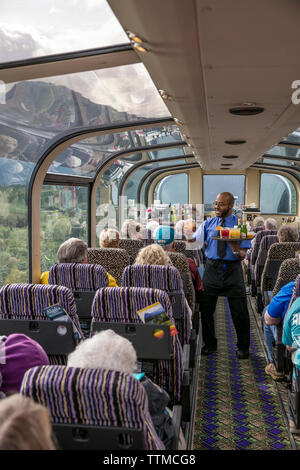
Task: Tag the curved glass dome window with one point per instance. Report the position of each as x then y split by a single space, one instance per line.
277 161
164 190
284 196
281 151
85 157
216 184
56 104
34 29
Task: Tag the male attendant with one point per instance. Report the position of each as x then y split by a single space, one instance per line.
223 276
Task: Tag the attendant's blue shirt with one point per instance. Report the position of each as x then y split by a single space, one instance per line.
280 302
208 230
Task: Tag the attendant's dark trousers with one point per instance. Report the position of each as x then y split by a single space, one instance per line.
239 314
223 278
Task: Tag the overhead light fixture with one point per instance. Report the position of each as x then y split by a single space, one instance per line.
235 142
139 47
165 95
178 122
226 164
230 156
246 110
134 37
137 42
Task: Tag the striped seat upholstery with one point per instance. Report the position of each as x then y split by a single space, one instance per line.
78 276
181 263
277 253
120 304
93 397
28 302
132 247
265 244
259 235
166 278
196 254
288 271
114 260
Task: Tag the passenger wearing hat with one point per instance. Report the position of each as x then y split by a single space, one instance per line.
18 353
164 236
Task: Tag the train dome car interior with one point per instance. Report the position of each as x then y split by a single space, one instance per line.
145 112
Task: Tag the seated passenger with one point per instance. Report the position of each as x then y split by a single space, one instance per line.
131 230
18 353
73 250
155 254
270 224
152 225
24 425
291 338
272 316
287 233
258 222
164 237
108 350
109 238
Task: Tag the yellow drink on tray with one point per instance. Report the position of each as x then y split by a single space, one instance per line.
234 233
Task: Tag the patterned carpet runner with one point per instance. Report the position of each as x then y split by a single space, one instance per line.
237 406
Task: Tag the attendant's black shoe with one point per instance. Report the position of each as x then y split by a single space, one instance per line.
206 350
242 353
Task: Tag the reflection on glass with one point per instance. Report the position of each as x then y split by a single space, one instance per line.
216 184
284 151
64 214
277 161
164 190
31 29
13 233
131 189
86 156
283 200
294 137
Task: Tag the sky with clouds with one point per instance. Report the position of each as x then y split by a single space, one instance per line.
32 29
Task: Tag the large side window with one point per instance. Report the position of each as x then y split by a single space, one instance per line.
164 190
64 214
284 196
216 184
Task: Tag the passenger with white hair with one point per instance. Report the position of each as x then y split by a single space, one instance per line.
270 224
131 230
72 250
108 350
152 225
288 233
109 238
259 222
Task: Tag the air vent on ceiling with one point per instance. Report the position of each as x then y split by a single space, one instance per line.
246 111
235 142
230 156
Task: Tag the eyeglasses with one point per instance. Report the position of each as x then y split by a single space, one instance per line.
220 204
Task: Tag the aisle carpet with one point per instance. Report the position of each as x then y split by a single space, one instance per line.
237 407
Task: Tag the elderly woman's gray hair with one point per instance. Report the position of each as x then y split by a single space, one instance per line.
258 222
270 224
106 350
288 233
109 238
72 250
131 229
